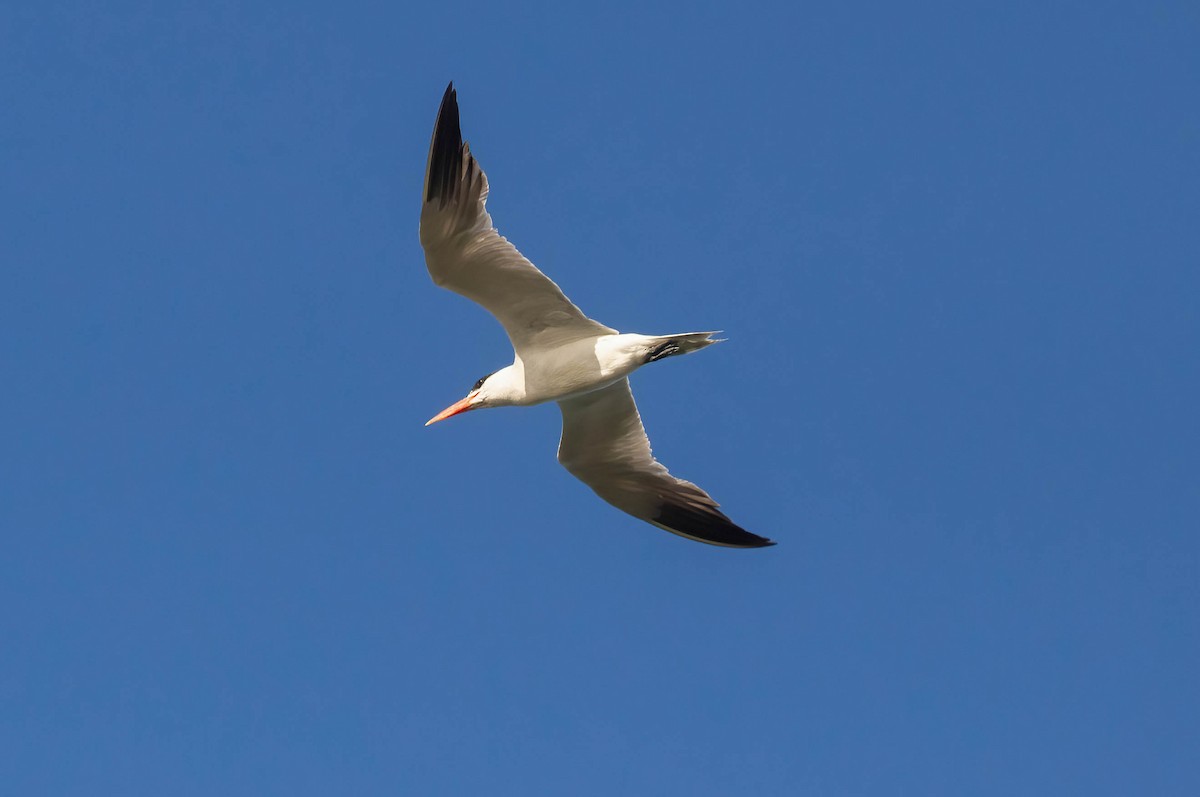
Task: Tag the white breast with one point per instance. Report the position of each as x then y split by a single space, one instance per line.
582 366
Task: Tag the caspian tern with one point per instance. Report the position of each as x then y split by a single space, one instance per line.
560 354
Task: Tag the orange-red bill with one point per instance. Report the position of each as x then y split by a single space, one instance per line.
453 409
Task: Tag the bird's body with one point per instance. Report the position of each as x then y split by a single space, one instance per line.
559 353
581 366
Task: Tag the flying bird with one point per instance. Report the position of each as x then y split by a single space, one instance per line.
560 354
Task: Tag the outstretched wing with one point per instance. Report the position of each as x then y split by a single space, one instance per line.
465 253
605 446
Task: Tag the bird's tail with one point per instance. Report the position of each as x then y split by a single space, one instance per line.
661 346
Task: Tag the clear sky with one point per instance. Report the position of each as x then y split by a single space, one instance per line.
956 253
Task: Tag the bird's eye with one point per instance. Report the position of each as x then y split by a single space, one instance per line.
482 379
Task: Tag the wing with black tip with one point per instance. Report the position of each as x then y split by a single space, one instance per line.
604 445
466 254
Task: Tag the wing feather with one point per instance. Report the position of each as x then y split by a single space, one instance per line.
465 253
605 446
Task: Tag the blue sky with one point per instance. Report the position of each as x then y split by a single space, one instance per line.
954 249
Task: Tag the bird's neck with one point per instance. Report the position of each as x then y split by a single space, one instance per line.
507 386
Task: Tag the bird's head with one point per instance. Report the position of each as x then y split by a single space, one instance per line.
491 390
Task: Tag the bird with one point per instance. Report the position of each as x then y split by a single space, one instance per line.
559 353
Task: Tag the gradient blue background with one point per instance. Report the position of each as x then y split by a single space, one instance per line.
955 250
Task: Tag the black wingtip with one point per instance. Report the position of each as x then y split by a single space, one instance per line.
707 525
445 150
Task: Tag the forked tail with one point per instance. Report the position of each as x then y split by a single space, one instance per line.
669 345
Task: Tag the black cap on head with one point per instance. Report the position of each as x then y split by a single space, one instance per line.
482 379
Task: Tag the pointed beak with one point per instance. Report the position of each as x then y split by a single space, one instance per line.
453 409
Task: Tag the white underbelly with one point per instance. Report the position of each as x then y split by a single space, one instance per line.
581 367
